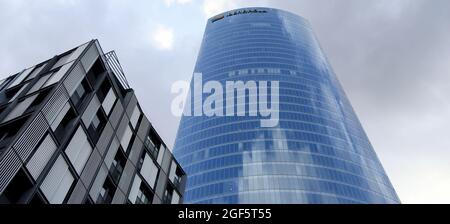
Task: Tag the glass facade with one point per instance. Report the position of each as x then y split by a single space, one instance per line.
318 152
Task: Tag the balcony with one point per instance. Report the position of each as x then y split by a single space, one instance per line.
167 199
151 147
115 172
177 182
114 66
117 166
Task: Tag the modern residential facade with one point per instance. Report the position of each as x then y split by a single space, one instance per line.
72 131
318 152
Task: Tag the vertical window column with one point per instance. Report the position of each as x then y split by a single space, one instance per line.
78 150
41 156
58 182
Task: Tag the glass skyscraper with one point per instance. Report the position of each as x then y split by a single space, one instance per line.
318 152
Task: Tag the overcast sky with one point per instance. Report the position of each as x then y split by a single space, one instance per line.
392 57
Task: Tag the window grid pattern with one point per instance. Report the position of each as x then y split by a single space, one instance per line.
62 141
318 153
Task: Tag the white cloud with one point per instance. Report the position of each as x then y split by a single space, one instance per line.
214 7
163 38
171 2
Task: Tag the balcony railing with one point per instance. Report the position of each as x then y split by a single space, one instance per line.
116 172
177 182
151 147
104 199
115 67
167 199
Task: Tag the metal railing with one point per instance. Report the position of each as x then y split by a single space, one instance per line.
116 68
116 172
177 182
148 143
167 198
